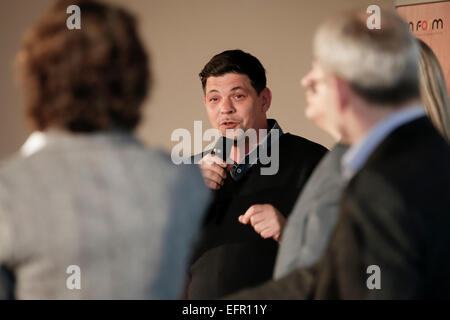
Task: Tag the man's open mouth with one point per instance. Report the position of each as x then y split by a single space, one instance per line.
229 124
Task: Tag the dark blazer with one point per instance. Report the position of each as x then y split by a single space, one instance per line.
229 255
395 214
312 221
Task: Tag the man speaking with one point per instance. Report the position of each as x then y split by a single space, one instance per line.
239 242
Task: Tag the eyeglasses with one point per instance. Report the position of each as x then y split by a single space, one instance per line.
313 78
315 81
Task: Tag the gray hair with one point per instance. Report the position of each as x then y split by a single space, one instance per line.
380 64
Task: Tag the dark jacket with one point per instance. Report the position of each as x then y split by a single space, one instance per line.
395 214
231 256
313 219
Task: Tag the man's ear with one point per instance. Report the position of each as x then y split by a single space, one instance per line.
266 96
204 100
343 92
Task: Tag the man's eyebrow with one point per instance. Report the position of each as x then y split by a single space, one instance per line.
232 89
212 90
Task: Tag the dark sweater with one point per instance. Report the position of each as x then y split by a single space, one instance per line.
231 256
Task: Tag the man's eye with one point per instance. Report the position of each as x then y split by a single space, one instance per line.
239 96
214 99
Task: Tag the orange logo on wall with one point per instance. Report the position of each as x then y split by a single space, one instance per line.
429 22
431 25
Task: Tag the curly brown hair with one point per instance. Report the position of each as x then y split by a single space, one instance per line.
84 80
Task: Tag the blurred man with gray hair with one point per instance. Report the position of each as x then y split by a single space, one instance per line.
391 238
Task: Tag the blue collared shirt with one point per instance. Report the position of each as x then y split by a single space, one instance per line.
357 155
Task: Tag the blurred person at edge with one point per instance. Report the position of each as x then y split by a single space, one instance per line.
90 198
313 218
433 89
391 236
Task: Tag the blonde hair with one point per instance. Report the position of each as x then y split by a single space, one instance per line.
380 64
433 90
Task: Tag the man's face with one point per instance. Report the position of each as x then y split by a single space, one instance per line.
322 99
232 103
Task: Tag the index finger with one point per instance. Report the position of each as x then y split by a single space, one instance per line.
214 159
216 168
245 218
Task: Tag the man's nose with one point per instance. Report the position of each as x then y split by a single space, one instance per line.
227 106
306 80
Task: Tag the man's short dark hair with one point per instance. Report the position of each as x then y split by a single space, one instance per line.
91 79
235 61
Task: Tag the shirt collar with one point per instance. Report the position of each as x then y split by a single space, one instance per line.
357 155
39 140
35 142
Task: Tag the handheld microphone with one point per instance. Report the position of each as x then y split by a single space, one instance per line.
222 149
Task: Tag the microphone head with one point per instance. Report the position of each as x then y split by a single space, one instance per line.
223 147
